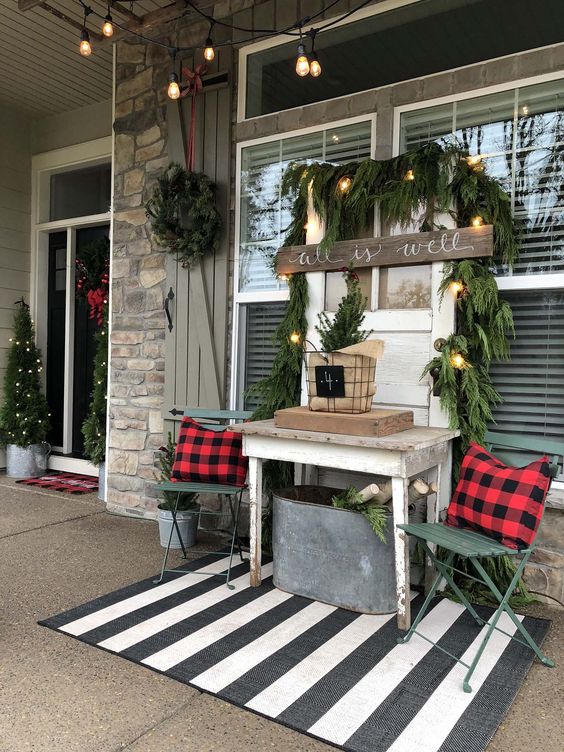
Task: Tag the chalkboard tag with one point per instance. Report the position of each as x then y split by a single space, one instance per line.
330 381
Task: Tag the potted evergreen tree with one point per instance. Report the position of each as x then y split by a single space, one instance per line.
24 414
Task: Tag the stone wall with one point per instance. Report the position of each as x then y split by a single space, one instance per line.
138 277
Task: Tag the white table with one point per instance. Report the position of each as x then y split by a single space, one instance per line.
399 456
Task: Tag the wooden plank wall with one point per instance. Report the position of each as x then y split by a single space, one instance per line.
187 380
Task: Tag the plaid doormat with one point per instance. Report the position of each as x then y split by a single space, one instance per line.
332 674
72 483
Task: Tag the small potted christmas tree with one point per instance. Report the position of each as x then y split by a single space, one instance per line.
24 414
341 377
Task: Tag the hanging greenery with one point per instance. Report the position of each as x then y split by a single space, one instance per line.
24 414
183 214
427 182
94 425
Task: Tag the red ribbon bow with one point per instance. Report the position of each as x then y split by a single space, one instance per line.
194 85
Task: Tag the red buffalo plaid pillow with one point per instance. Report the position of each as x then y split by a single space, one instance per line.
503 502
205 456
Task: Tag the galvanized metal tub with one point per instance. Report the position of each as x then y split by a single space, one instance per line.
331 555
27 462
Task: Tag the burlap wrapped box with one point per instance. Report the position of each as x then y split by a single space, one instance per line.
359 367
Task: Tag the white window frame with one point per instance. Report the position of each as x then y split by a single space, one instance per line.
373 10
268 296
517 282
87 154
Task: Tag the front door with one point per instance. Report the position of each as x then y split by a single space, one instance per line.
70 341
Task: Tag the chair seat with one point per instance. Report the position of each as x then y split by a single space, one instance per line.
208 488
462 542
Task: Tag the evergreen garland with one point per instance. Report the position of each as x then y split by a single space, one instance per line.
344 330
94 425
24 414
427 182
376 514
183 213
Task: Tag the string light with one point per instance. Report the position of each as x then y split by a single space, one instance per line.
295 338
477 221
107 26
475 162
457 360
409 175
314 65
85 46
344 184
209 52
457 287
173 83
302 63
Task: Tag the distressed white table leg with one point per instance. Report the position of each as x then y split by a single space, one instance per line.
255 518
401 548
433 507
311 475
299 473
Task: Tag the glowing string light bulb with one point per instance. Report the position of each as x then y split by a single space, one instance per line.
457 360
457 286
302 63
173 86
477 221
85 46
295 338
209 52
409 175
107 26
344 184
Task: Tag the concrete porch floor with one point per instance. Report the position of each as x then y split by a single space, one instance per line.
59 695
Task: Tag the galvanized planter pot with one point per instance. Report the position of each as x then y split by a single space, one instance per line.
187 524
27 462
102 481
331 555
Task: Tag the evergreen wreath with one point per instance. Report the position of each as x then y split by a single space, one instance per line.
183 214
93 277
24 414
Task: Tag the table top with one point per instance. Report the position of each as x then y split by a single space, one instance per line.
414 439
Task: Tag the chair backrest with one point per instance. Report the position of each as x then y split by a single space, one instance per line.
506 442
215 420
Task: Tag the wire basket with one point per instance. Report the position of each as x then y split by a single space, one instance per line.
339 382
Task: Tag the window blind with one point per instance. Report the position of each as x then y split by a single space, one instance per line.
532 382
261 321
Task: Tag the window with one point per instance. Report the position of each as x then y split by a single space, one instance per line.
408 42
520 134
79 193
263 218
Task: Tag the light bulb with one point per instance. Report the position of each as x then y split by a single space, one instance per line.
475 160
457 286
107 26
477 221
344 184
525 110
173 86
209 52
85 46
315 67
457 361
302 63
409 175
295 338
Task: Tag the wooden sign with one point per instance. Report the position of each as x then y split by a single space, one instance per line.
415 248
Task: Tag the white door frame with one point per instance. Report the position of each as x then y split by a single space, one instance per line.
43 166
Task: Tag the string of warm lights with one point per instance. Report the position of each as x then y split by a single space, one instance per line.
307 63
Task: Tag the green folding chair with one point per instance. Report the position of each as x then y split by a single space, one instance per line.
475 546
215 420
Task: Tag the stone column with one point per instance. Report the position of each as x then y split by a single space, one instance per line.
138 281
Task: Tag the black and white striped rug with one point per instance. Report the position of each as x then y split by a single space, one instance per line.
330 673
